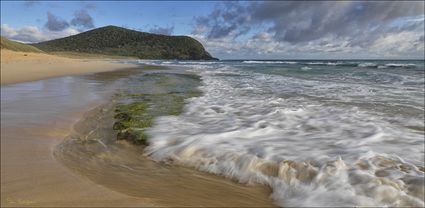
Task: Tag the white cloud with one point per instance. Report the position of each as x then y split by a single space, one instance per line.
395 44
303 29
32 34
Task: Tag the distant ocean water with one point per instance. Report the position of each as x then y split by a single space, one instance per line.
319 133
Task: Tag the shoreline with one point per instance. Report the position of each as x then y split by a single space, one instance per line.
121 166
39 120
31 175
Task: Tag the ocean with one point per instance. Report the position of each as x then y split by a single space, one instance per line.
319 133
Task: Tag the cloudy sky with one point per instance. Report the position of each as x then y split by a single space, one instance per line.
239 30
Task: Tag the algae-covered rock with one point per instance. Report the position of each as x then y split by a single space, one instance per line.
131 120
118 126
157 95
122 116
137 137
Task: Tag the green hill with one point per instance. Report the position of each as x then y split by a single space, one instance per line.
112 40
16 46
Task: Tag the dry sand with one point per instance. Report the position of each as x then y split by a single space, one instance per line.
22 67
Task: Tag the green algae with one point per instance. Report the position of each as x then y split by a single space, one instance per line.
159 94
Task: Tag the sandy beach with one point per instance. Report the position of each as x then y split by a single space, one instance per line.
22 66
30 175
212 104
38 113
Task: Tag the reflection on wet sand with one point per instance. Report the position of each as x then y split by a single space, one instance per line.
36 116
93 151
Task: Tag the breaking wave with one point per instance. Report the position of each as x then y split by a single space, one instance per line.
311 147
269 62
338 63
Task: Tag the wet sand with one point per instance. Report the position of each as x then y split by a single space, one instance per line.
37 116
22 66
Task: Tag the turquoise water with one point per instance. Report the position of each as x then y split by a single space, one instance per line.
319 133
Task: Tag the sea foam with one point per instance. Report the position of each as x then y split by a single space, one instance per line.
296 136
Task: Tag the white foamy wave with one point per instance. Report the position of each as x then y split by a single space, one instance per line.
200 62
269 62
372 180
384 66
339 63
241 129
401 65
152 62
316 63
367 65
323 63
305 68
